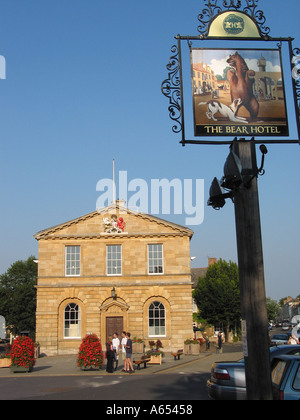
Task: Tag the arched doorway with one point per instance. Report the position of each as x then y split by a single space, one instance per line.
113 318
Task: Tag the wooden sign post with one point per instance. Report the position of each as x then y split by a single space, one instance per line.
251 275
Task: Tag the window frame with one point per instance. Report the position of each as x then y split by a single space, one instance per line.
159 307
155 259
114 259
77 318
77 261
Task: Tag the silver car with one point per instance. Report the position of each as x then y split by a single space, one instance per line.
228 379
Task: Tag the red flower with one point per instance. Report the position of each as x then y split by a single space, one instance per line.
22 352
90 352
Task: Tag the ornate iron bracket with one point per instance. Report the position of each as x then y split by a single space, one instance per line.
296 77
171 88
212 9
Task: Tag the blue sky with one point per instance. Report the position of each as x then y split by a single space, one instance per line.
82 88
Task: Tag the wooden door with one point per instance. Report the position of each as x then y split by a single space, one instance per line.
114 324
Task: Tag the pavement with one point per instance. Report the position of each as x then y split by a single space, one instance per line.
65 365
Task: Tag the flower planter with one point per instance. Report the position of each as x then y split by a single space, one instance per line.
5 363
187 349
22 355
195 349
155 360
138 347
16 369
90 368
90 355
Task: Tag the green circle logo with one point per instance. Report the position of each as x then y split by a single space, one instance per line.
233 24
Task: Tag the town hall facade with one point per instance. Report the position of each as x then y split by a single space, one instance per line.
113 270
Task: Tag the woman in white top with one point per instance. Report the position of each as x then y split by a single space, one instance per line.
116 345
123 345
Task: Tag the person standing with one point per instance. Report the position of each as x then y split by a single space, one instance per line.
109 356
220 342
123 350
129 353
116 346
293 340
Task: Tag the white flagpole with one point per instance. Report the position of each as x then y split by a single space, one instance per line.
114 185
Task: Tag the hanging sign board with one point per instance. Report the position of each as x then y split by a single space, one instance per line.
238 92
244 83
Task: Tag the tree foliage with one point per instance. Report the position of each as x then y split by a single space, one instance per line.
18 295
217 294
272 309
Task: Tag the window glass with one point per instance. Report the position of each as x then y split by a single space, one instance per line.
157 319
72 321
296 384
114 259
277 372
72 260
155 259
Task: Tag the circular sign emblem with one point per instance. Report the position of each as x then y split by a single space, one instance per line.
233 24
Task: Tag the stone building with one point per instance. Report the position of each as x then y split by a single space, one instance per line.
204 79
113 270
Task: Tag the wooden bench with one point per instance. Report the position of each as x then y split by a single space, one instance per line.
177 354
144 359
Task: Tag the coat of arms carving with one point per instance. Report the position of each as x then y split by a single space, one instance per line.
114 224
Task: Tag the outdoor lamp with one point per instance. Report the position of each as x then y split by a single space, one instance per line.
232 172
113 293
217 195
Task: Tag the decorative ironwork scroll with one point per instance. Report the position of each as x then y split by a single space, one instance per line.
296 76
213 8
171 88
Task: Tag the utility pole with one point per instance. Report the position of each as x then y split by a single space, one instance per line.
251 275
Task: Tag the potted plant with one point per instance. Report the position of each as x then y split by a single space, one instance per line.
191 346
22 355
187 346
5 358
155 353
137 345
90 354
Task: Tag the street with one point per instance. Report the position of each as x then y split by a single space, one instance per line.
172 386
173 382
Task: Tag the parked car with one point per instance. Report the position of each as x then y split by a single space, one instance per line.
279 339
228 379
285 326
286 378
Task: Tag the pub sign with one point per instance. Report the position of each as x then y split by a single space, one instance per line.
244 83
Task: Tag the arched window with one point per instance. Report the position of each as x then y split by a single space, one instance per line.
72 321
157 320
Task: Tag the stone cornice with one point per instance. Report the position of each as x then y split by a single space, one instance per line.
106 285
117 236
52 232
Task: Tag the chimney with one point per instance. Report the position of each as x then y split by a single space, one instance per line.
212 261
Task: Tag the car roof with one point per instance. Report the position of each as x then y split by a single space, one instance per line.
281 335
287 357
285 347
